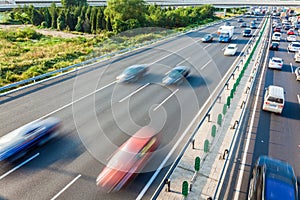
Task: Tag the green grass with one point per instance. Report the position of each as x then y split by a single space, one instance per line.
24 53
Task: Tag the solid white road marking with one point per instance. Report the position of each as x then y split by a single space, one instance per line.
206 46
165 100
139 89
291 65
205 64
243 163
183 61
298 96
66 187
20 165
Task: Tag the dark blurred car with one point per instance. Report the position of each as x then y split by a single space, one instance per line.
247 32
244 24
130 158
227 24
290 32
274 46
287 27
132 73
253 26
207 38
240 20
176 75
272 179
277 29
18 142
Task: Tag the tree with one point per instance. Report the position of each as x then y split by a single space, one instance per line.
101 23
61 21
47 16
53 13
93 19
119 11
79 25
36 17
70 20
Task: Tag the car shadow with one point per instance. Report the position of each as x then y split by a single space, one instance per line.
289 110
61 148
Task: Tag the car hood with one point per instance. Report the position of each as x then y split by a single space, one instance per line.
169 80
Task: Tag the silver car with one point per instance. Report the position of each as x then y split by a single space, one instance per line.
176 75
132 73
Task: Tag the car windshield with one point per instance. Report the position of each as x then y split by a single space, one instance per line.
131 70
207 37
247 31
275 44
276 100
174 74
276 60
296 45
277 35
230 47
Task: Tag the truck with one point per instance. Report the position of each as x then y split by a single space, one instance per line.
226 33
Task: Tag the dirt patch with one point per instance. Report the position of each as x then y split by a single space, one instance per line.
48 32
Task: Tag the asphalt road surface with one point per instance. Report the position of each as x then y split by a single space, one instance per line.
99 114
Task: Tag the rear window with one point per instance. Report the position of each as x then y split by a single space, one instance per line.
276 100
296 45
276 60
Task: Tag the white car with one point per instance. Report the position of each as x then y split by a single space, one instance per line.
230 50
291 38
297 56
294 46
276 36
276 63
297 73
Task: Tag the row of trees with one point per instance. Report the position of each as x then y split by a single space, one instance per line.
117 16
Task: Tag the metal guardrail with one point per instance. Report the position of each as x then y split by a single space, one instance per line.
204 114
90 61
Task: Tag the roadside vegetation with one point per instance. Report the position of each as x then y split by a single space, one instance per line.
25 53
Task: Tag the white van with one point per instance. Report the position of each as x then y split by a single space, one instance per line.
274 99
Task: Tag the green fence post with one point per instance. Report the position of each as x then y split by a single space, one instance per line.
206 146
197 164
214 130
220 119
185 188
228 101
224 109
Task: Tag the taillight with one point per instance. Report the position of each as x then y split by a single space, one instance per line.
280 106
267 103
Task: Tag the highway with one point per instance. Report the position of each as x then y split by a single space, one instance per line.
270 134
99 114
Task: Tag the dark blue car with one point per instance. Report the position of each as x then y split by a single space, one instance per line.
18 142
272 179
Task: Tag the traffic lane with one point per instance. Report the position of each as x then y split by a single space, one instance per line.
43 101
165 131
275 135
37 101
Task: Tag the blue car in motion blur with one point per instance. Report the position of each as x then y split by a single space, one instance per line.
272 179
18 142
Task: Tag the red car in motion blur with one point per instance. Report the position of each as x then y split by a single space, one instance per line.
129 159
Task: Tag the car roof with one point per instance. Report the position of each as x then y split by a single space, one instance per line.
275 166
135 143
276 91
248 29
180 68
